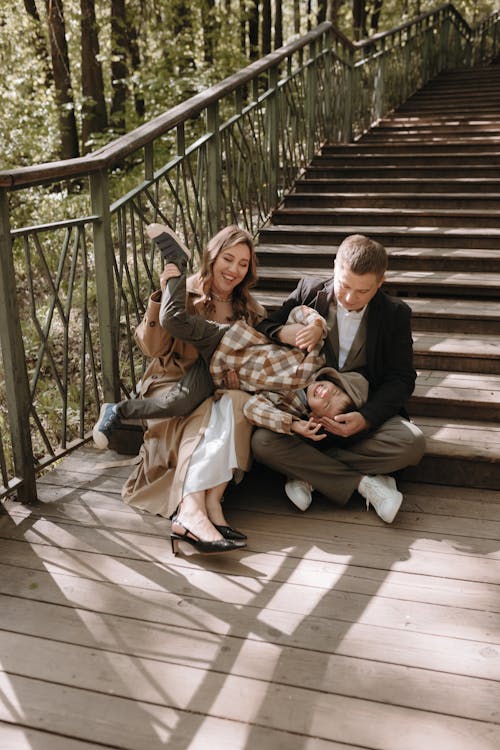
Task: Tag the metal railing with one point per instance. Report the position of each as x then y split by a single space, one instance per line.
72 289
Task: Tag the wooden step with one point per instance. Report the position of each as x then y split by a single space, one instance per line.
452 108
456 128
409 236
460 219
317 198
456 395
396 159
400 258
468 352
315 179
455 315
422 171
398 138
459 452
399 283
361 148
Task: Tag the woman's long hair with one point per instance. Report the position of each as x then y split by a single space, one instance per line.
244 304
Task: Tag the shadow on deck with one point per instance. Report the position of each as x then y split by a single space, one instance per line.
331 629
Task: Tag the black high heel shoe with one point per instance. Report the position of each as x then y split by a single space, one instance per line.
203 545
229 533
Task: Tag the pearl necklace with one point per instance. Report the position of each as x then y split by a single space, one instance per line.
221 299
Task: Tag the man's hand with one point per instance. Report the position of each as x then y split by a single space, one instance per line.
308 429
169 272
345 425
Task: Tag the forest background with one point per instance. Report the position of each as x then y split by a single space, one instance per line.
77 73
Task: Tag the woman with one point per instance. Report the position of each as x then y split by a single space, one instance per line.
178 475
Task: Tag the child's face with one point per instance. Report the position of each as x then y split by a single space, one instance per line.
325 399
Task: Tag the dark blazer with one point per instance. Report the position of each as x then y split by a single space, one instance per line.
389 345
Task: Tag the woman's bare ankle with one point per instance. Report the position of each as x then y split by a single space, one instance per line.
214 508
197 522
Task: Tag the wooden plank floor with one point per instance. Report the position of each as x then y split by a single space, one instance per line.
330 630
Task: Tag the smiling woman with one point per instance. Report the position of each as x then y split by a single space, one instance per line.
178 476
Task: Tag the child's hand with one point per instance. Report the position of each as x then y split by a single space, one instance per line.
309 335
231 380
169 272
308 429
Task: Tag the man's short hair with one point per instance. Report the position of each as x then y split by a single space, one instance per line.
362 255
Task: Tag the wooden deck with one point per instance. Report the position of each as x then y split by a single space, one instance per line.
331 630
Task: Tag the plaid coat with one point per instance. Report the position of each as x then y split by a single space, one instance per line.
275 371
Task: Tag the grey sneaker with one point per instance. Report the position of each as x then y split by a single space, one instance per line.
299 492
172 249
381 491
103 428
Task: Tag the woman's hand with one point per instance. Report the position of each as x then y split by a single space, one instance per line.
169 272
345 425
308 429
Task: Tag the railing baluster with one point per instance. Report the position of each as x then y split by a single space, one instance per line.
14 364
214 175
105 285
273 138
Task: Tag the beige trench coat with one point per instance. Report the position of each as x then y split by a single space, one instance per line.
156 483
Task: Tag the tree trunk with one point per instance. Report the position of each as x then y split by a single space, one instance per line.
94 116
210 29
359 19
266 27
62 79
296 16
183 31
375 18
119 64
278 24
253 29
243 28
40 43
321 14
135 60
332 11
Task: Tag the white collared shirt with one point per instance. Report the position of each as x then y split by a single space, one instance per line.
348 323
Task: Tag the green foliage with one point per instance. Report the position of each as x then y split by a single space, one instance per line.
171 50
28 126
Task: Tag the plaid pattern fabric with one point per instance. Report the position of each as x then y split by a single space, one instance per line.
276 411
263 365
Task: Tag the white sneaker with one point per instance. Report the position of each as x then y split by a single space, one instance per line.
299 492
381 491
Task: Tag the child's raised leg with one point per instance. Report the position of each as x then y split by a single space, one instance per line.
205 335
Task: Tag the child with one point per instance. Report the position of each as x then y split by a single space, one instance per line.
278 373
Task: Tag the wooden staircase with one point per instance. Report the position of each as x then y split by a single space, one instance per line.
426 183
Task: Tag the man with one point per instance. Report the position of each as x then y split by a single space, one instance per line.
368 332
